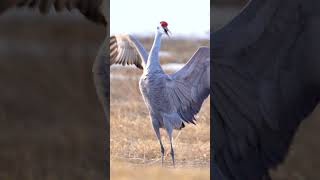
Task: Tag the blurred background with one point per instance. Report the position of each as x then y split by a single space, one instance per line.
186 19
303 161
134 148
51 122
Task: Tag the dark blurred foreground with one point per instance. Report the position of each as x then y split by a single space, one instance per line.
51 122
303 161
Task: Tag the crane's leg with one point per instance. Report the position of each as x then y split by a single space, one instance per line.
156 128
172 152
169 131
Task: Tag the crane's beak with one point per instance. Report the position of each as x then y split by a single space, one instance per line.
166 30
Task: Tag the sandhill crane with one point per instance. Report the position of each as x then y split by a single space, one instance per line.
266 81
171 99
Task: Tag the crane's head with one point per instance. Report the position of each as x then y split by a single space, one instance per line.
163 29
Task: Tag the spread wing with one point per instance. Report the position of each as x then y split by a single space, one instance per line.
190 86
259 95
94 10
127 50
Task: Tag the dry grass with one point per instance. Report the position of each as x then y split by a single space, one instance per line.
132 139
50 119
124 171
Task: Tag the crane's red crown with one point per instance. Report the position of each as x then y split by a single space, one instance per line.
164 24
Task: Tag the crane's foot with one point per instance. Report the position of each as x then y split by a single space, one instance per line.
172 156
162 154
162 161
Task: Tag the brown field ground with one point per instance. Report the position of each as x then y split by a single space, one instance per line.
135 151
50 119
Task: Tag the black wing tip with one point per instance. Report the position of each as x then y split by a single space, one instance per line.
182 125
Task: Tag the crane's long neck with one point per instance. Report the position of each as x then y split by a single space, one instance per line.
153 64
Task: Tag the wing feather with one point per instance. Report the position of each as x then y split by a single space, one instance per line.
259 96
91 9
190 86
126 50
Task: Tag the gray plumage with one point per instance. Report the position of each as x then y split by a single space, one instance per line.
172 99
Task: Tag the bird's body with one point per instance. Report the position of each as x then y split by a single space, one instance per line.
153 88
171 99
